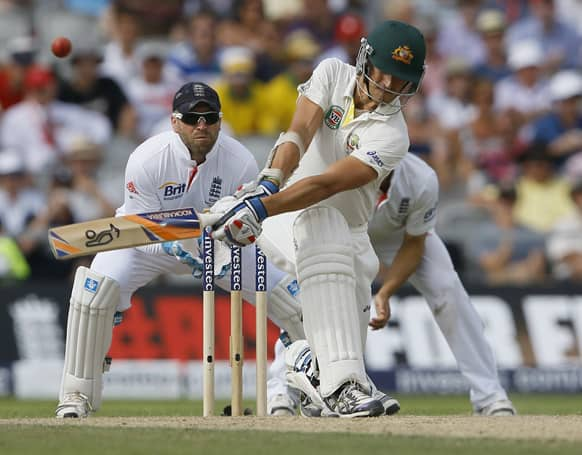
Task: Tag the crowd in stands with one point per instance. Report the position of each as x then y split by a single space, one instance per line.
499 116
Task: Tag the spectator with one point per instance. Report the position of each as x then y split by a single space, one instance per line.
21 54
151 93
561 128
349 30
559 42
434 79
281 93
85 196
564 244
316 16
119 60
543 197
489 143
20 202
39 125
197 58
491 26
453 108
458 36
243 98
524 94
88 89
249 28
506 251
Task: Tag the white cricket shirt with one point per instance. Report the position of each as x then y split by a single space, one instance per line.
160 174
409 206
380 141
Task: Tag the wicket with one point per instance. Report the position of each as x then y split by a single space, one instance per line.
236 338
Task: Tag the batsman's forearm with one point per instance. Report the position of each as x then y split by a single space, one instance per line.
301 194
286 159
404 264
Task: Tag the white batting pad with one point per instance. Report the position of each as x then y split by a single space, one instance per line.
325 271
89 329
284 309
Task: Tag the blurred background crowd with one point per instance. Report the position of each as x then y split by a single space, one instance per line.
499 116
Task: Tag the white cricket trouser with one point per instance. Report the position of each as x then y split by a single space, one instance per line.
438 282
340 325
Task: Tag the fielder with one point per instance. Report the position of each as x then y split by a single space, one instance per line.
192 166
347 134
403 236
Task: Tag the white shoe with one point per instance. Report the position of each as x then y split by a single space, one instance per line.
350 400
391 405
281 405
500 408
74 405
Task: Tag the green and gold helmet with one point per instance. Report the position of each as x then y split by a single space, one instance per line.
394 48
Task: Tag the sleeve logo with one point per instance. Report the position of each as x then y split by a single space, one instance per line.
375 158
333 117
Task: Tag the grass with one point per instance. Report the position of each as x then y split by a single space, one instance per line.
538 404
63 440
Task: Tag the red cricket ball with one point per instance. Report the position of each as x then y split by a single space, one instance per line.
61 46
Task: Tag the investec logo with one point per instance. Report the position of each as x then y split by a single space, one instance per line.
208 278
261 276
235 267
173 190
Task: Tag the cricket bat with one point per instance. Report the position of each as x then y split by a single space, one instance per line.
127 231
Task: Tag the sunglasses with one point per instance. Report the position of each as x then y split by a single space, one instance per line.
192 118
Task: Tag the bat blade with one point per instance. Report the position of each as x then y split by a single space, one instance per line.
127 231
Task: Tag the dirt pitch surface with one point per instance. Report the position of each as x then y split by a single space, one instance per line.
546 428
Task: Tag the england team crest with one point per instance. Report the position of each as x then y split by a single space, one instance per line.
334 116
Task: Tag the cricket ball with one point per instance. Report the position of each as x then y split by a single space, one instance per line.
61 46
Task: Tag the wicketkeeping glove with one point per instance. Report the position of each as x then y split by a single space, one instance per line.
189 252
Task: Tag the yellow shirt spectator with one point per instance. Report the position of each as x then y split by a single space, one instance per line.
541 204
244 111
241 95
281 92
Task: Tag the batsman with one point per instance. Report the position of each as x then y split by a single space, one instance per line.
311 205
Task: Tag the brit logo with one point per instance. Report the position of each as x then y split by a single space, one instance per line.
404 206
131 187
91 285
215 190
173 190
333 117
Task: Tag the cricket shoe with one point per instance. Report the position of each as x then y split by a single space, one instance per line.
500 408
74 405
391 405
350 400
281 405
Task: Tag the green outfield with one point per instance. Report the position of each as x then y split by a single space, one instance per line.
159 427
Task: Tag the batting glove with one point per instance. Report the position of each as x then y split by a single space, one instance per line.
240 225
